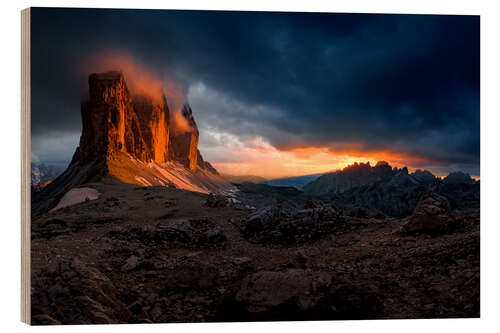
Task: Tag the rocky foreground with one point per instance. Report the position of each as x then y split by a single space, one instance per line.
160 254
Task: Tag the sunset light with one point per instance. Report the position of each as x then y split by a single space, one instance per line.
259 158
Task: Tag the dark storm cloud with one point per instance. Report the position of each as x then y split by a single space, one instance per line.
408 83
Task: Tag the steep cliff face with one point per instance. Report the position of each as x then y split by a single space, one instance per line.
133 138
104 116
154 120
142 126
184 138
111 123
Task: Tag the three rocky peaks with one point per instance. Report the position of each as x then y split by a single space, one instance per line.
133 138
140 125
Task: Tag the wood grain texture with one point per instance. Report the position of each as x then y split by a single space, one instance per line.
25 166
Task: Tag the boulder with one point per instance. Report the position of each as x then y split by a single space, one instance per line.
131 263
216 200
299 294
212 237
267 290
432 204
431 216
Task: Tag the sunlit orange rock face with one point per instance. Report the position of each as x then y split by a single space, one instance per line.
104 116
154 122
114 120
184 141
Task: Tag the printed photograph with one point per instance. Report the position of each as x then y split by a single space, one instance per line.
231 166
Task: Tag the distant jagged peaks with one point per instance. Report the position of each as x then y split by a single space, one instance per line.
140 125
360 174
382 169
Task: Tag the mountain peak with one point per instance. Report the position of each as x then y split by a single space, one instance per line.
360 174
107 76
136 139
115 121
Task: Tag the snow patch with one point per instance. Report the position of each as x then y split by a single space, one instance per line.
76 196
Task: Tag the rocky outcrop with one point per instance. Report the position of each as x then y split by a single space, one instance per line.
276 225
431 216
194 234
214 201
75 294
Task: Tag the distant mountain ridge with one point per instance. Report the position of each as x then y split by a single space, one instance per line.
41 173
393 191
243 178
361 174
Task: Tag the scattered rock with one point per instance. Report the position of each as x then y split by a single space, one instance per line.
212 236
77 293
275 225
131 263
216 200
194 233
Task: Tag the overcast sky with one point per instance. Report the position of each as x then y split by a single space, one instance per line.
278 94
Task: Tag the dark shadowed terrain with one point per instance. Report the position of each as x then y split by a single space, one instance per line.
160 254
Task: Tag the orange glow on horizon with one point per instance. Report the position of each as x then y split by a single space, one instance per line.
259 158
